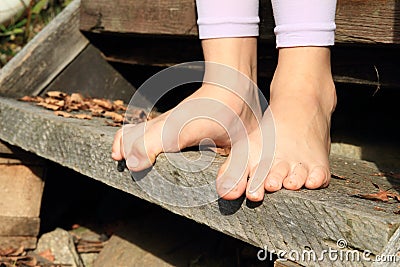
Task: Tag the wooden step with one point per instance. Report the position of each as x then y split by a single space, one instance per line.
286 220
361 22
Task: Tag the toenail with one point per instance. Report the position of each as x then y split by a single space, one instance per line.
312 181
114 154
255 195
132 162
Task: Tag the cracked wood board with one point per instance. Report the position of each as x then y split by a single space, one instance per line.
287 220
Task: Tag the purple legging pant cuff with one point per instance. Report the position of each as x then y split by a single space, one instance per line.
298 22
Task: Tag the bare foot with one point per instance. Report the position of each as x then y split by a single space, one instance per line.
302 100
212 112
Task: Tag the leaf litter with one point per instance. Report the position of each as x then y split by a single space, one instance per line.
381 195
19 257
79 107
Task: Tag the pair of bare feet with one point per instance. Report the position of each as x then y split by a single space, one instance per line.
302 99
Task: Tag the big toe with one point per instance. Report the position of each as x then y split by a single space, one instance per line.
232 177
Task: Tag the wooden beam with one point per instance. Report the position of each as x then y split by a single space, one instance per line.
28 242
19 226
373 66
45 56
357 21
287 220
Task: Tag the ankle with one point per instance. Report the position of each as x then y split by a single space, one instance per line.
305 73
237 53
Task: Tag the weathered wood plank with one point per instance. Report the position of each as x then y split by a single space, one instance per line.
390 255
28 242
288 220
357 21
147 17
45 56
21 189
19 226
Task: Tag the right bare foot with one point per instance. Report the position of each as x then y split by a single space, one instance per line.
225 116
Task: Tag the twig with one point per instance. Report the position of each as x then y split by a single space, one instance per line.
378 87
28 22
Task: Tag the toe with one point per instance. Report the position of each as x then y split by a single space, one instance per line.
296 178
142 154
117 147
255 187
232 176
256 195
319 177
276 176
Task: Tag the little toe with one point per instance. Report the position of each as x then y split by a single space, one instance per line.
276 176
319 177
296 178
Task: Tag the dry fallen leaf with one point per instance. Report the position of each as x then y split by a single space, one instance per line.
382 195
119 105
31 99
63 114
221 151
104 103
116 117
113 124
56 94
83 116
11 251
47 254
63 104
76 98
48 106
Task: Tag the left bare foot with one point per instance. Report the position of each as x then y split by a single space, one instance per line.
303 98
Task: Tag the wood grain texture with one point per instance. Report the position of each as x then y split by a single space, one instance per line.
45 56
390 255
21 189
19 226
357 21
286 220
28 242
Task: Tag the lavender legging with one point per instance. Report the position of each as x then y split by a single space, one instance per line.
298 22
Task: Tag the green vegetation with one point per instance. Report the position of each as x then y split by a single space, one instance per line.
24 26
